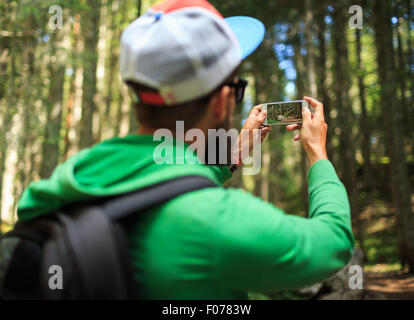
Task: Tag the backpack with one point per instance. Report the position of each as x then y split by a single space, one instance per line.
85 243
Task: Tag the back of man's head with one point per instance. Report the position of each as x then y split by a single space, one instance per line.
178 53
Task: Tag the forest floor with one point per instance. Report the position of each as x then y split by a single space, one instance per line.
388 286
383 277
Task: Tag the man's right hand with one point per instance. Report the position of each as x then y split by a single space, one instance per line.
312 131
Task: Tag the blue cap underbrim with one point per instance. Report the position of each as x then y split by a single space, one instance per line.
249 31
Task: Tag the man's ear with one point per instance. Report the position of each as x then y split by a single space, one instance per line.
218 103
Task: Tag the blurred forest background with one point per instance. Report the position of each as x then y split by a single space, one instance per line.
60 91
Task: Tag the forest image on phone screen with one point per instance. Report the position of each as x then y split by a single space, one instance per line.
284 113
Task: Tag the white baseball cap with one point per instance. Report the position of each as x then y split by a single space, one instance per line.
184 49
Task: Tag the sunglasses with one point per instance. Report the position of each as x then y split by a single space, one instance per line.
240 87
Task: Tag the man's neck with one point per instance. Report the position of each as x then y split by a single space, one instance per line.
144 130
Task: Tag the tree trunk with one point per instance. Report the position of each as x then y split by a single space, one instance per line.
299 62
343 104
364 122
50 147
133 123
9 112
394 140
402 81
26 138
111 65
410 53
322 83
311 86
72 96
90 31
365 130
310 55
410 74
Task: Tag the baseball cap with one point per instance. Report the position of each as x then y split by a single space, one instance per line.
184 49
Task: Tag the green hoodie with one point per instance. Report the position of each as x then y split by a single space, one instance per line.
213 243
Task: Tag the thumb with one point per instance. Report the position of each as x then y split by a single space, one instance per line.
306 115
259 119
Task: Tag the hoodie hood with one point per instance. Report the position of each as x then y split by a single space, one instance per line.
115 166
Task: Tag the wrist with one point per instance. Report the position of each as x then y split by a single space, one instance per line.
314 157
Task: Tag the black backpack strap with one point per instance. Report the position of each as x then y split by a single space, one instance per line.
144 199
98 245
88 241
96 268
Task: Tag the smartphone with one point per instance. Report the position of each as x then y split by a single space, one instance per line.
284 113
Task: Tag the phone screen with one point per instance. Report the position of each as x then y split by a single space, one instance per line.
284 112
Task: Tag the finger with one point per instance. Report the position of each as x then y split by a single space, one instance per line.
258 120
252 118
256 110
292 127
263 136
297 137
267 127
318 106
306 115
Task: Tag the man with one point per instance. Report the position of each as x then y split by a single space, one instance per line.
179 60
